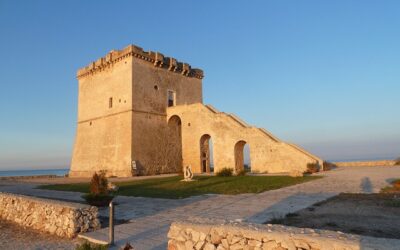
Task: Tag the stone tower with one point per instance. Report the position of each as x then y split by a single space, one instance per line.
122 113
142 113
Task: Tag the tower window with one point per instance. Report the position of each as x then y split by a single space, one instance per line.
171 98
110 102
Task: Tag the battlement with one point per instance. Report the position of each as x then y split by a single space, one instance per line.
155 58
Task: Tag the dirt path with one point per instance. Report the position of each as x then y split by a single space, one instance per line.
15 237
376 215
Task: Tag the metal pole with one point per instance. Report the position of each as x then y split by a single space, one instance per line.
111 226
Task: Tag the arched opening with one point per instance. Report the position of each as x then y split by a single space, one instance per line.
247 161
206 157
242 156
174 147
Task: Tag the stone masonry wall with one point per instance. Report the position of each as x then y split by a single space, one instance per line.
219 236
365 163
64 219
122 104
268 154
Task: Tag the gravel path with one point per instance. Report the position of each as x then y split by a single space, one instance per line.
15 237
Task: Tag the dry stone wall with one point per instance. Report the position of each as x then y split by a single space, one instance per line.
366 163
64 219
229 235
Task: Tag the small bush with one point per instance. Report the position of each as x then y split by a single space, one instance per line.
394 188
127 247
241 173
312 168
396 184
225 172
90 246
326 166
98 184
392 203
397 161
99 193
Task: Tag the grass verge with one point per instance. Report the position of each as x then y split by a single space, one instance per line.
173 188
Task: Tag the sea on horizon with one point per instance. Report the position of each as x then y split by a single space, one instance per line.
64 171
34 172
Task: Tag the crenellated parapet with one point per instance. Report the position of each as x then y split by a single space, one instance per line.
155 58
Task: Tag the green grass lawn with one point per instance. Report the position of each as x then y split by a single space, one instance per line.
173 188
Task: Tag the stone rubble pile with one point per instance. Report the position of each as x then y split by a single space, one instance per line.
217 236
65 219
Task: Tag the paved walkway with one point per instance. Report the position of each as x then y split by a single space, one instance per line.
149 219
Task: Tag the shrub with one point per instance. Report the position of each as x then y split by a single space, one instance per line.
326 165
225 172
241 172
312 168
90 246
98 184
397 161
99 193
392 203
396 184
395 188
127 246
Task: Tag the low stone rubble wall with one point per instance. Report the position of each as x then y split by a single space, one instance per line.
65 219
29 177
382 163
228 235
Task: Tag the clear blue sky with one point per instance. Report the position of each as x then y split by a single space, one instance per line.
322 74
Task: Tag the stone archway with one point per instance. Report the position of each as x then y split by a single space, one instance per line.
206 154
239 156
175 144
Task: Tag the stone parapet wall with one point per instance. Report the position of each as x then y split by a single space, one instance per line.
155 58
225 235
366 163
65 219
29 177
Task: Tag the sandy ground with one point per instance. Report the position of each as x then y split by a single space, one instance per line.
13 236
364 214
